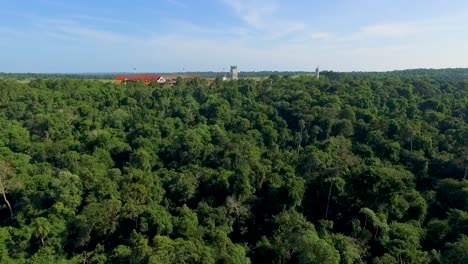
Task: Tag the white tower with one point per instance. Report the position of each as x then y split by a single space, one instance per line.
234 73
224 75
317 72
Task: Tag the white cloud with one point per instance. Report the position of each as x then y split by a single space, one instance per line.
254 13
430 29
376 32
393 30
262 19
177 3
91 33
322 36
74 30
11 32
184 27
106 20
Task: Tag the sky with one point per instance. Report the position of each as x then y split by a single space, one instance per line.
69 36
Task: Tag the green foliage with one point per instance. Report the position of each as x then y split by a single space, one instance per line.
456 252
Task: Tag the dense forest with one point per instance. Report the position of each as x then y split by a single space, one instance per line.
350 168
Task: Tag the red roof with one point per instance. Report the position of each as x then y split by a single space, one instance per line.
137 77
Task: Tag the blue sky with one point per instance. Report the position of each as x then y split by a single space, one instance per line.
172 35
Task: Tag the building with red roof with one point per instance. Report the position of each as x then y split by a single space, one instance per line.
149 78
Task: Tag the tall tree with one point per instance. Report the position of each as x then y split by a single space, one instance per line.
8 182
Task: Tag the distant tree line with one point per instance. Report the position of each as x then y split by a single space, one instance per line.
452 74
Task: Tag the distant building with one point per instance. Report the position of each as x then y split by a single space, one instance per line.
234 73
146 78
317 72
172 78
149 78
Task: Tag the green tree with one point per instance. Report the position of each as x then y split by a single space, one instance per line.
42 228
456 252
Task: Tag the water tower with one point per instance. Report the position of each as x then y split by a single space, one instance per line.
234 73
224 75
